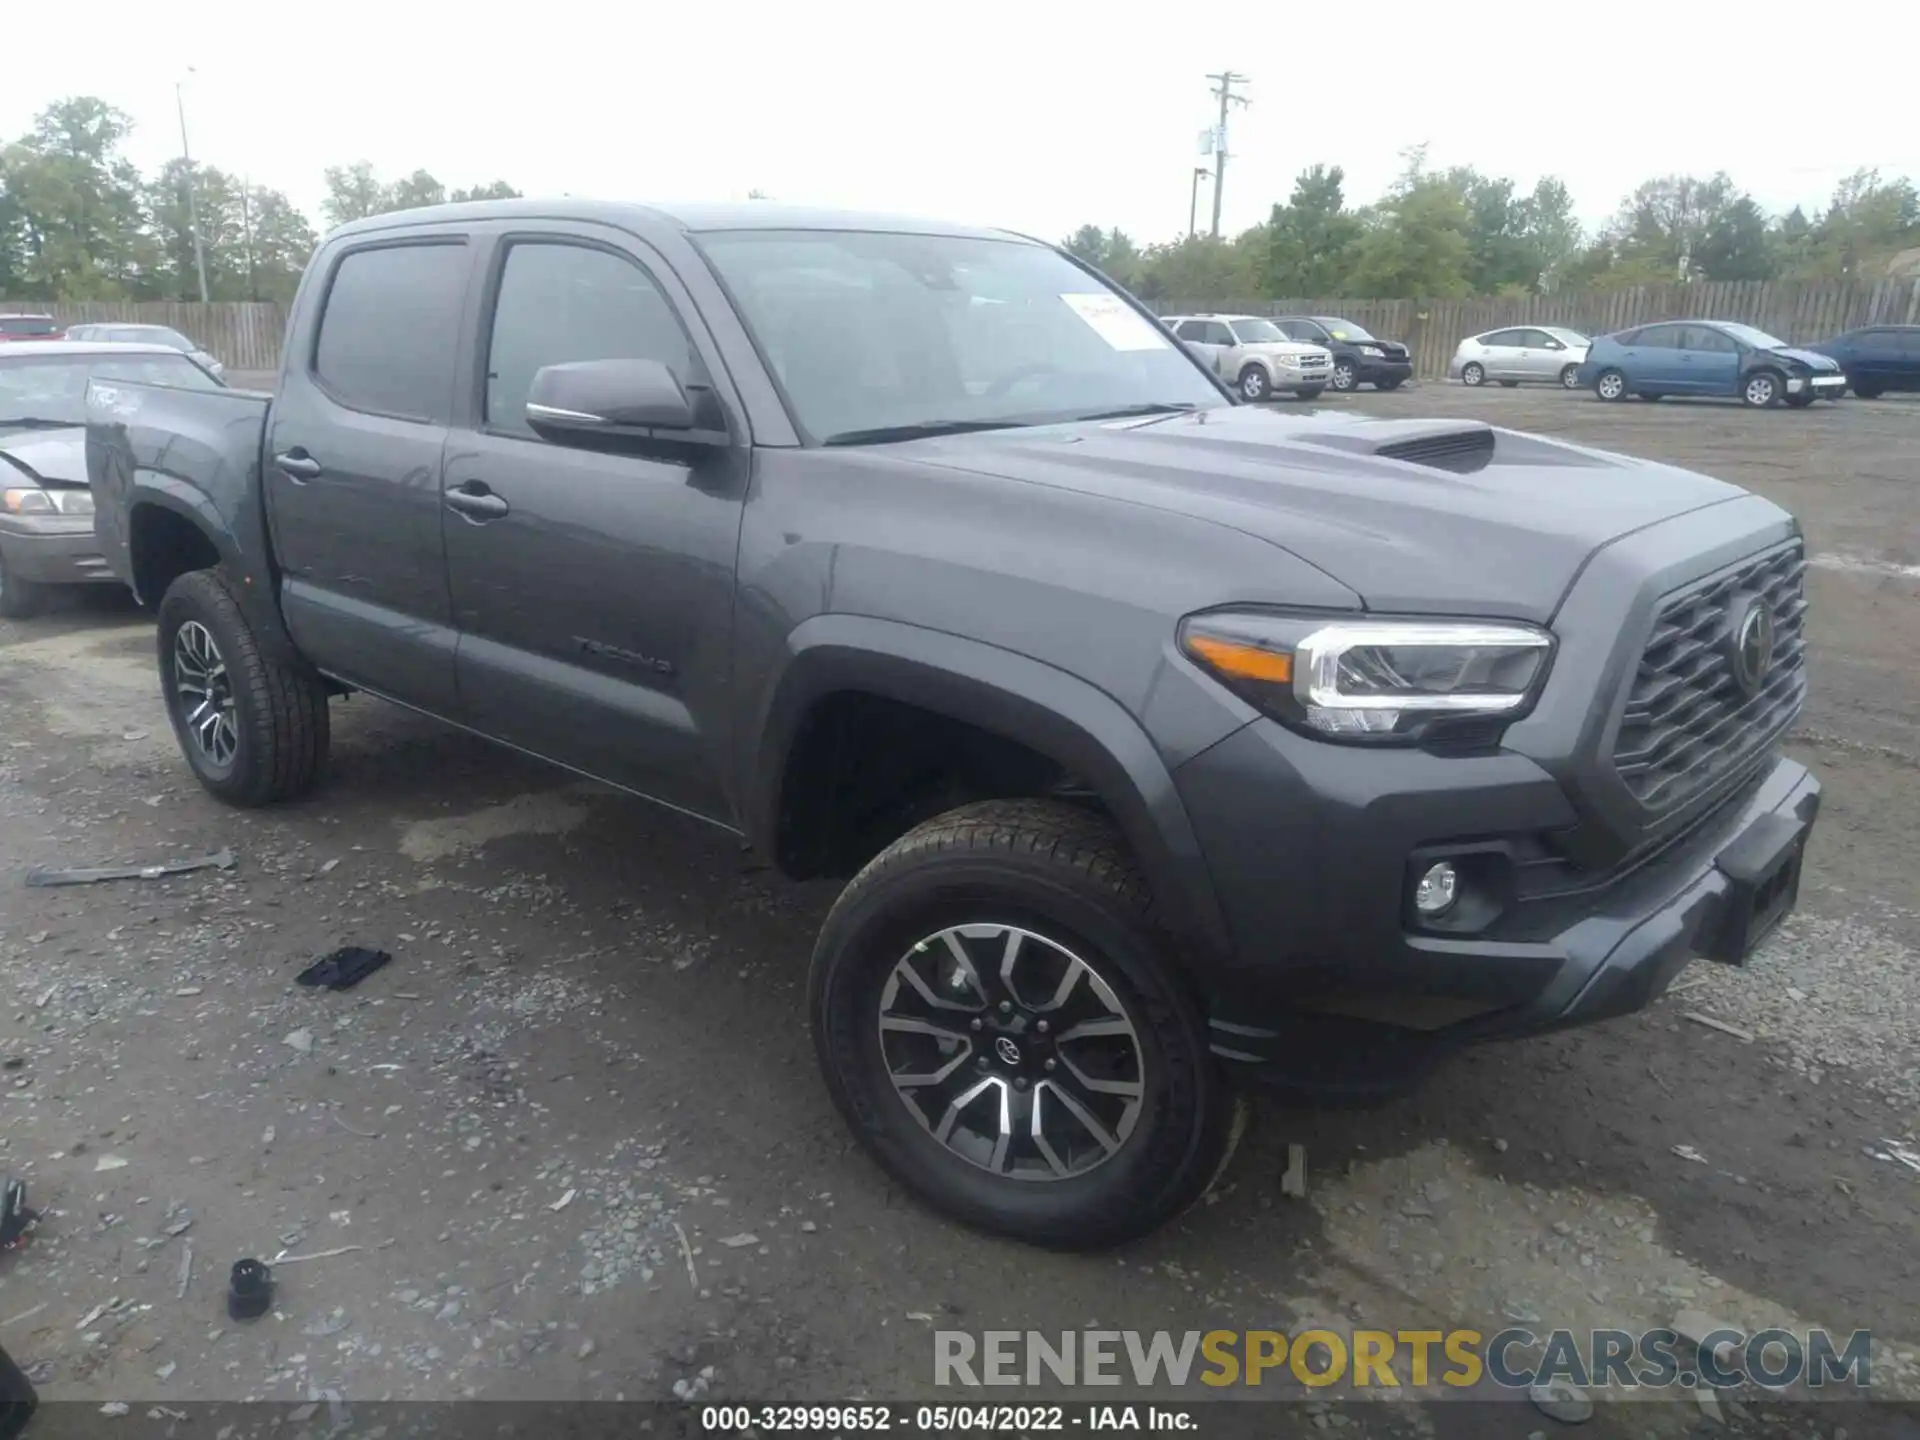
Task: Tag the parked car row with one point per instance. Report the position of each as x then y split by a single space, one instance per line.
1301 355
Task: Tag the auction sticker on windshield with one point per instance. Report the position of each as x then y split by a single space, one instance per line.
1116 323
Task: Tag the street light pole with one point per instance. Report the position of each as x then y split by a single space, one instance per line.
193 203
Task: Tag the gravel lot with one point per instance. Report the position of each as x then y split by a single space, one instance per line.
570 1144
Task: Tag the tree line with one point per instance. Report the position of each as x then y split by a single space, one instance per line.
78 221
1447 234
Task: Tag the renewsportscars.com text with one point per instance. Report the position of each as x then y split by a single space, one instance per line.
1513 1358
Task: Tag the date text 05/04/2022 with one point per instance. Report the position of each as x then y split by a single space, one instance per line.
944 1419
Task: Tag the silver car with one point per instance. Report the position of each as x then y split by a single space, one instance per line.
1536 354
166 335
1254 355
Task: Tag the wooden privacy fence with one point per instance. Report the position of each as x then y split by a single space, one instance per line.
1796 312
247 335
240 334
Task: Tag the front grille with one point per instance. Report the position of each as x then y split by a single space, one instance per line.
1688 723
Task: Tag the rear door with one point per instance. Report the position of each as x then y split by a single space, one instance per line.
1654 361
352 467
595 608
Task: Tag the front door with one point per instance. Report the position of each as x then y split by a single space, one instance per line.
352 469
595 608
1713 361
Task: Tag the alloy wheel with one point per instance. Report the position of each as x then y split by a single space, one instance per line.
1343 376
1761 390
1012 1052
1473 375
1612 385
1570 377
205 694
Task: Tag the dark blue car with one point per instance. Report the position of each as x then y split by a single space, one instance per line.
1877 358
1709 357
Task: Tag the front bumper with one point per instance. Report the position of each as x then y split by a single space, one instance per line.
53 550
1295 379
1822 384
1334 992
1372 369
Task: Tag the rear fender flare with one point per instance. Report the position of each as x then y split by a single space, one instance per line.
255 592
1078 726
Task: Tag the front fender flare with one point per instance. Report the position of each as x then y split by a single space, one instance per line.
1080 727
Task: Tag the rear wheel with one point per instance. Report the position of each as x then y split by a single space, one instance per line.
1611 385
254 729
1000 1021
1473 374
21 599
1762 389
1570 377
1254 385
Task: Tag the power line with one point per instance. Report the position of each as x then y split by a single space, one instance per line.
1223 84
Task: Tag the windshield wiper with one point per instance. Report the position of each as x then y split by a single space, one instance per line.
1152 407
920 430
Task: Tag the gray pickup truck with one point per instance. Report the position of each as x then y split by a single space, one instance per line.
1163 741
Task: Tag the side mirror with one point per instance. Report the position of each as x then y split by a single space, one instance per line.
635 399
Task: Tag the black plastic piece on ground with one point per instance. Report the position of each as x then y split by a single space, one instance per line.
17 1398
343 969
250 1291
15 1217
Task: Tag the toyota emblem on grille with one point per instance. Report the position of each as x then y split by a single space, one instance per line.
1750 635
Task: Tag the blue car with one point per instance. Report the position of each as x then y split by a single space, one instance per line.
1709 357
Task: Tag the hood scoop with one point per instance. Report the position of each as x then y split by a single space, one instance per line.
1452 445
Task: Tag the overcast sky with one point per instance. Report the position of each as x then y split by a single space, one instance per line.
1037 116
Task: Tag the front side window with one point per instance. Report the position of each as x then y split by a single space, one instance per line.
869 332
559 303
1344 329
1752 338
1257 332
390 328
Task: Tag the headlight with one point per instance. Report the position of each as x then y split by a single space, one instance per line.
1381 681
48 502
1371 350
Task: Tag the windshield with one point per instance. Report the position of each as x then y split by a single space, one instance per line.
1758 339
1342 329
871 332
1257 332
54 388
17 325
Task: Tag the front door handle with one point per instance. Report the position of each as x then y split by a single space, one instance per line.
297 465
474 500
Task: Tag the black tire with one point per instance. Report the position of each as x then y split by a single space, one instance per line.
1569 377
1652 397
1254 385
1866 392
277 714
1610 385
1388 384
1345 378
1509 384
1763 389
21 599
1473 373
1312 392
1062 874
1800 402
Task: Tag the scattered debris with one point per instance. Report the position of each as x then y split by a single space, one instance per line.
1687 1152
284 1259
180 1224
363 1134
249 1290
165 1372
327 1325
1899 1154
301 1040
1709 1403
1712 1024
693 1389
585 1352
108 1162
97 1311
1694 1326
1796 995
1500 1147
187 992
186 1271
686 1251
114 1408
343 968
23 1315
41 877
266 1135
920 1315
740 1241
807 1227
1293 1181
564 1201
1558 1400
16 1220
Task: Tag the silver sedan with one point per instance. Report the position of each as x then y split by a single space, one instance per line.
1543 354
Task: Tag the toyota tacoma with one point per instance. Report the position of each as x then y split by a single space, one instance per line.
1162 741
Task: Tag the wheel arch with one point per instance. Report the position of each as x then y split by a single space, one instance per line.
1081 729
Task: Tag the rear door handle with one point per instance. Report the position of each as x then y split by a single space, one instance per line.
475 501
297 464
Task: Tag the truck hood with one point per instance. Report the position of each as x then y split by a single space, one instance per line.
47 457
1503 539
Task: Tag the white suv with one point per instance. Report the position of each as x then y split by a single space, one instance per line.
1253 355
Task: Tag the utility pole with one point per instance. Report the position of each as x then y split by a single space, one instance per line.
1200 172
1223 84
193 203
246 234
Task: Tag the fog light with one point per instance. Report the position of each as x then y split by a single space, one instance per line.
1435 893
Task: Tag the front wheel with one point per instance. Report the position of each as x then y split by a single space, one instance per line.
1344 378
1312 392
1611 385
1800 402
1000 1022
254 729
1866 392
1762 389
1254 385
1384 385
1570 377
21 599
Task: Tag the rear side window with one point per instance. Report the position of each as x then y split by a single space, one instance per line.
1191 330
1658 337
1501 340
1882 342
559 303
388 334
